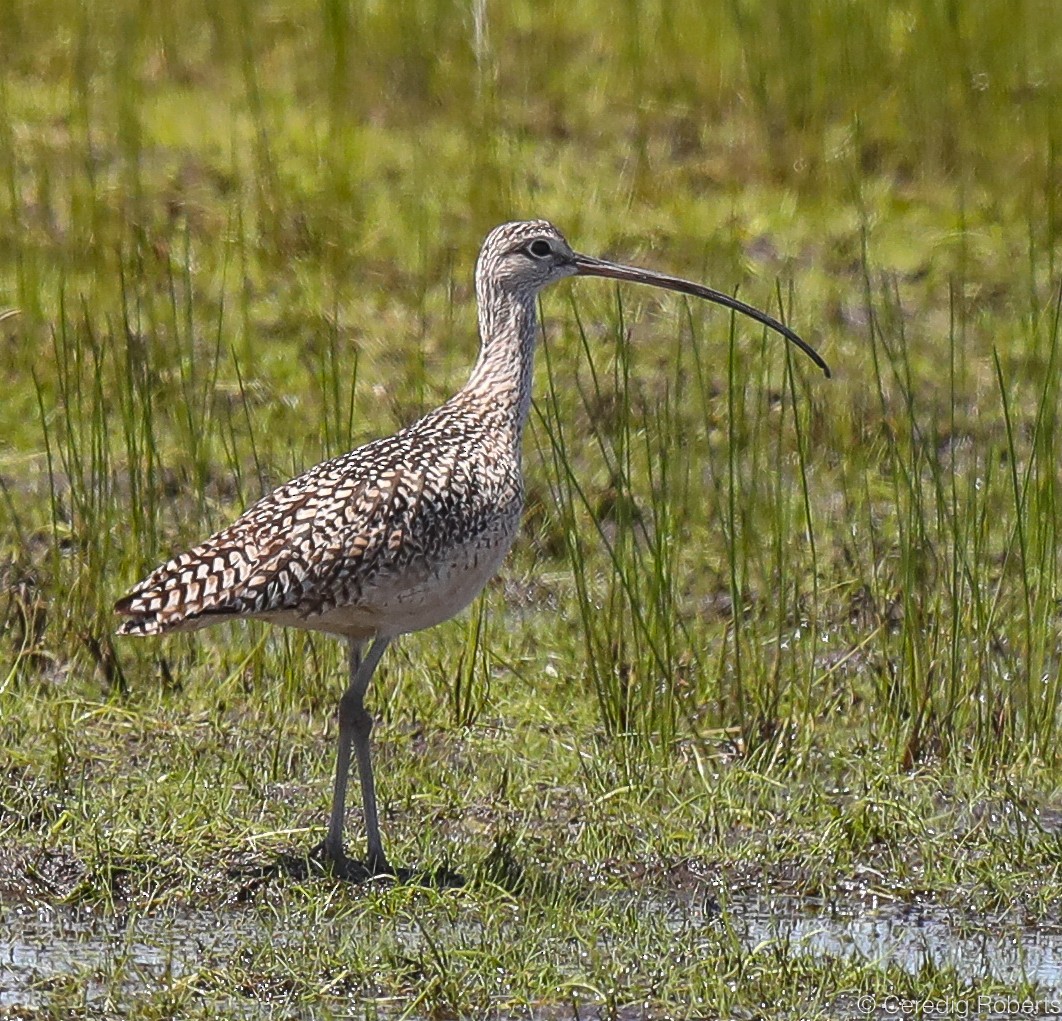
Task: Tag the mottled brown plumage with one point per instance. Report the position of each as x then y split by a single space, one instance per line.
354 546
403 532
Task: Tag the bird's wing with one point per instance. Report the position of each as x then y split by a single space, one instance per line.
316 542
265 561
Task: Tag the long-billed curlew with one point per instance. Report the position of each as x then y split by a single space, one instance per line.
403 532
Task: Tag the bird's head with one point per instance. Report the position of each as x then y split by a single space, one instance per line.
520 258
525 256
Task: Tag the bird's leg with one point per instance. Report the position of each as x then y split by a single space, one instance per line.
333 842
355 728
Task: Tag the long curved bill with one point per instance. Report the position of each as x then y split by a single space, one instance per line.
588 266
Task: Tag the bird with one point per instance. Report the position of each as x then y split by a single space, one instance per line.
404 532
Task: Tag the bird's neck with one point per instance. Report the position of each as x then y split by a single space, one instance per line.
501 378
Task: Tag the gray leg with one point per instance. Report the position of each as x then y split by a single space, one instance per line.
355 727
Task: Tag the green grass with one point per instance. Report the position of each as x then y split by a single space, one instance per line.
774 632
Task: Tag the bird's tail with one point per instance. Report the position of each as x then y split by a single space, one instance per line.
193 590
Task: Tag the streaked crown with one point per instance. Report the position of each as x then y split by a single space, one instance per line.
522 257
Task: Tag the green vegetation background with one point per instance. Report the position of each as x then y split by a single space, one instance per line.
760 631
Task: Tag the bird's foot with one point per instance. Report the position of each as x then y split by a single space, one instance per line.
320 861
326 860
341 866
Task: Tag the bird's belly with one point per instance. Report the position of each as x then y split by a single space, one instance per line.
424 593
445 590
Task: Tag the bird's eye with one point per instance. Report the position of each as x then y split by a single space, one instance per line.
540 249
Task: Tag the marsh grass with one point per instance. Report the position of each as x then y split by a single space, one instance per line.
761 630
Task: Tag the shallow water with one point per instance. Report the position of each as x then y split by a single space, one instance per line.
915 936
40 947
111 959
